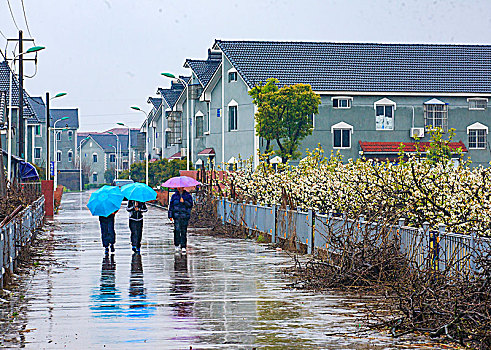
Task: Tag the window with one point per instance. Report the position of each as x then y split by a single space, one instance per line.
70 134
341 135
436 114
232 118
112 158
94 158
70 155
37 152
312 120
58 156
478 136
199 124
384 114
232 76
232 115
477 139
477 104
94 177
58 136
168 135
341 102
37 130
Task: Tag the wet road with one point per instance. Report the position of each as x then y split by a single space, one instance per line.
225 293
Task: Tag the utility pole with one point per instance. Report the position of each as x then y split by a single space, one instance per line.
48 156
21 99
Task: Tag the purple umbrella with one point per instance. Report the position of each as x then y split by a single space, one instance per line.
181 181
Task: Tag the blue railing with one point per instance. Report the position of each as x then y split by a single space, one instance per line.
425 248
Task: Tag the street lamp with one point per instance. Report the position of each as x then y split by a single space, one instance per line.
56 149
146 140
118 154
9 133
80 159
129 146
172 76
48 127
115 170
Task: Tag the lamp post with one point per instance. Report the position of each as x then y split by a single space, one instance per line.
80 159
172 76
48 127
118 153
129 146
9 130
56 150
146 140
115 170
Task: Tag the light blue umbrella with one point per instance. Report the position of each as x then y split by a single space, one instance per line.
105 201
138 192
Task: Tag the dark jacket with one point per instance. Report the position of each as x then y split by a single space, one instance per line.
178 210
136 215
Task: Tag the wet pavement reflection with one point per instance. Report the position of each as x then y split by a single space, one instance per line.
225 293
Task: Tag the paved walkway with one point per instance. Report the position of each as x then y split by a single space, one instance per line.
223 294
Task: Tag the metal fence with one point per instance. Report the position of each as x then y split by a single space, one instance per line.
425 248
16 233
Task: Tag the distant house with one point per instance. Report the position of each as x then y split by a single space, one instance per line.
101 151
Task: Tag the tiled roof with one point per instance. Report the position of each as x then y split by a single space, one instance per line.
105 140
38 107
204 69
5 86
328 66
393 147
172 95
176 156
155 101
71 113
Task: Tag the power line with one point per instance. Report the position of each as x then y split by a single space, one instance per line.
12 14
25 18
1 33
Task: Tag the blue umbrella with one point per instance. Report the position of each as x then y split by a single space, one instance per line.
105 201
138 192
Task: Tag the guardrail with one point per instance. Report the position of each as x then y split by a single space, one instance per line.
425 248
16 233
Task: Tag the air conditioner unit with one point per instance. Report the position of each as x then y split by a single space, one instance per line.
183 152
153 124
417 132
158 150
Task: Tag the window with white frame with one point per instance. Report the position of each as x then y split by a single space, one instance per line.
37 130
384 114
168 136
341 102
199 124
37 152
112 158
436 114
477 104
70 134
58 135
94 158
58 156
232 116
232 76
341 135
70 156
478 136
312 121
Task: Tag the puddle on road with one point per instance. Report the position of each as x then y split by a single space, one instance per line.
225 293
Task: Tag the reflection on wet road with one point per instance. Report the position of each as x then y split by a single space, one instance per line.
225 293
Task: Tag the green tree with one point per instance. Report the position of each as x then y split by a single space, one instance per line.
109 175
284 115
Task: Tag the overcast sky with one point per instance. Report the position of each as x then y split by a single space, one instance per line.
108 54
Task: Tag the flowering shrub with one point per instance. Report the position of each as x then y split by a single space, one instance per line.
416 188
